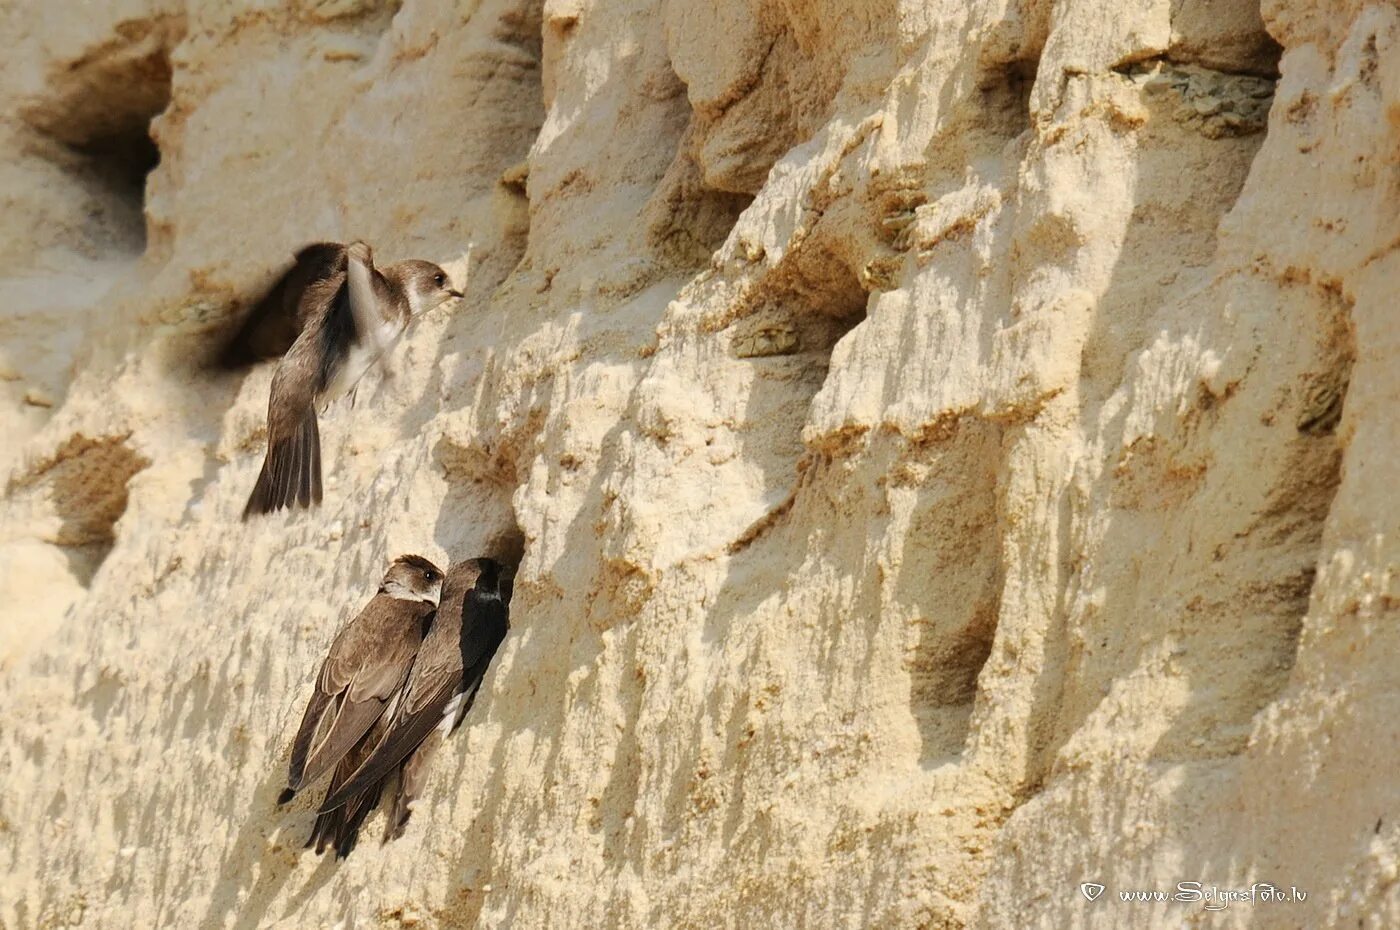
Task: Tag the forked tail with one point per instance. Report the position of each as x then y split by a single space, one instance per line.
291 473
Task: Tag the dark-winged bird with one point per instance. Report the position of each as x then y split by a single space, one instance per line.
279 315
470 625
361 678
347 315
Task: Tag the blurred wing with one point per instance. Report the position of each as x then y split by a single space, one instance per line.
275 321
364 295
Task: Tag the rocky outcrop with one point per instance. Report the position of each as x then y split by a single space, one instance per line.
948 448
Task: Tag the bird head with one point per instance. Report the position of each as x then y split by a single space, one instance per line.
426 285
413 578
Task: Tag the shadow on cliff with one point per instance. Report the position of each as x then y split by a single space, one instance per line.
1202 527
1216 605
254 870
473 869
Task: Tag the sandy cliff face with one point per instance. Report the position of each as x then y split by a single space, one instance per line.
950 447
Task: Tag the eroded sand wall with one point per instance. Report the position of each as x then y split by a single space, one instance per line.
952 448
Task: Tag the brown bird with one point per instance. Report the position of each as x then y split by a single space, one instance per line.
340 828
348 315
360 679
471 623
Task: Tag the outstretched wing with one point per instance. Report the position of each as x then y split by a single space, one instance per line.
275 321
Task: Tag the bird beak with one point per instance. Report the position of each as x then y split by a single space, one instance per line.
452 294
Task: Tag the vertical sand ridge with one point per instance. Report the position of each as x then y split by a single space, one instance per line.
949 449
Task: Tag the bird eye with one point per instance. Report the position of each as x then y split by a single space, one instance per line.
438 279
430 576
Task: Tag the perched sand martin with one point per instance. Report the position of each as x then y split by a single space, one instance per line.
361 678
470 626
347 318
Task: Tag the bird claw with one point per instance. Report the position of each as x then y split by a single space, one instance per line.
360 252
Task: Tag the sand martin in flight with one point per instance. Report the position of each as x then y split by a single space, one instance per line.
348 315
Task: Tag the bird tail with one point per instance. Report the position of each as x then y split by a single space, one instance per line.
354 815
413 775
325 829
340 828
291 473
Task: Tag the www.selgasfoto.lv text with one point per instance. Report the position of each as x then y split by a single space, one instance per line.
1215 898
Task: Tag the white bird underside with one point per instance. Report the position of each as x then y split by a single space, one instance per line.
452 713
363 354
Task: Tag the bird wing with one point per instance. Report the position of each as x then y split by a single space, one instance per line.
273 324
340 827
366 286
413 774
318 267
301 745
404 736
368 664
479 641
431 693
